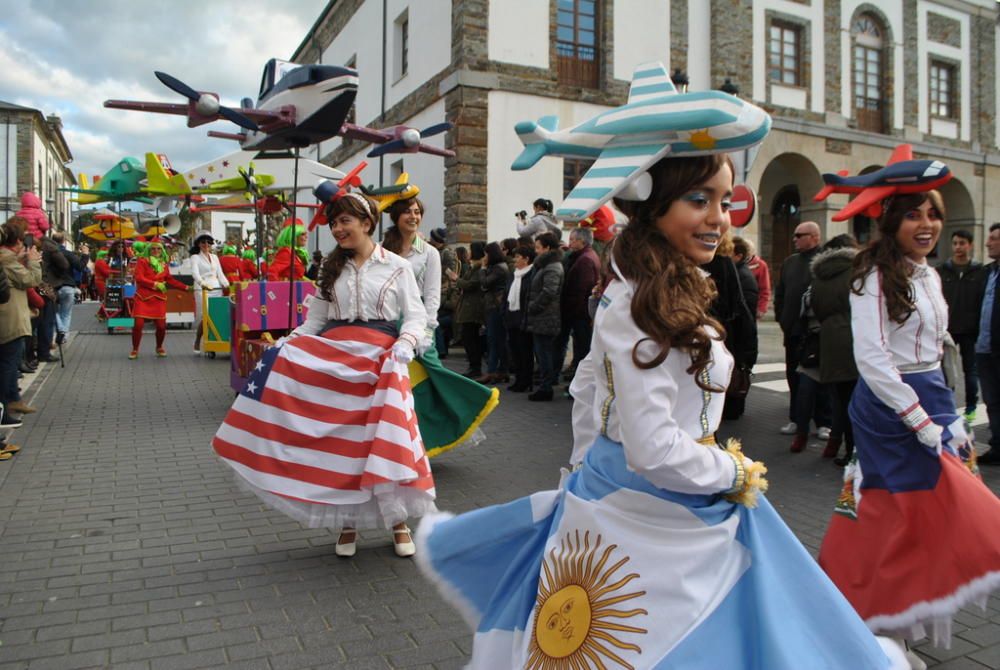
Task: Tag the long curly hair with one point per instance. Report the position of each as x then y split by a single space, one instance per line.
884 255
334 263
393 239
672 295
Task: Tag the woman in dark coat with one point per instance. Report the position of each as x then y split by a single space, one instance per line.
731 309
516 320
831 273
470 316
494 279
544 311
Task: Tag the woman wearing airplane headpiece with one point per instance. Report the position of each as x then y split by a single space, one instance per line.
325 429
450 407
659 550
915 534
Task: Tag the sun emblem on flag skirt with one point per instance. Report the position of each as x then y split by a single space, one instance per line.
576 611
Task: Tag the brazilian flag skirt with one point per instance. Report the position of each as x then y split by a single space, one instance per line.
449 407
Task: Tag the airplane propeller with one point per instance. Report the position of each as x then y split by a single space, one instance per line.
205 104
253 188
409 139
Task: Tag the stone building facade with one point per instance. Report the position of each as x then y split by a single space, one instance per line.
845 80
33 157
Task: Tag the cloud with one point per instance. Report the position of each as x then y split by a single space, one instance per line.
66 58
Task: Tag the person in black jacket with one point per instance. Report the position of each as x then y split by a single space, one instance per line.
493 279
988 347
963 281
792 284
516 319
731 309
61 265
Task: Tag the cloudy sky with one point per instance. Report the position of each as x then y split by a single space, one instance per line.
66 57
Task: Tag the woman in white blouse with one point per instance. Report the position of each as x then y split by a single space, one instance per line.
325 429
915 535
403 239
209 279
649 554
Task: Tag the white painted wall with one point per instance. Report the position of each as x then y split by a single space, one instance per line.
218 220
509 191
634 46
699 56
8 160
429 44
519 32
361 38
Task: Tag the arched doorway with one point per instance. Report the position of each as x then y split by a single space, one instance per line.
960 214
786 214
786 187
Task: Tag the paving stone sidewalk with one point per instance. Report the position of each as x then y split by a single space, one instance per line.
126 544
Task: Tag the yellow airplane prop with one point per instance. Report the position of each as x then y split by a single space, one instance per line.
401 190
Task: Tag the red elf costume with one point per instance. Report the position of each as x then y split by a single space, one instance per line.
232 265
284 261
152 275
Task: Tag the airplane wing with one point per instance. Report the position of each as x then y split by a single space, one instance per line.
904 152
365 134
864 200
609 174
234 184
650 81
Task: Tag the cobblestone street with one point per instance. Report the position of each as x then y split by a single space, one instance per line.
126 544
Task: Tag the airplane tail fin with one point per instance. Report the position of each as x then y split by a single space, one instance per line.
158 181
84 182
832 181
534 136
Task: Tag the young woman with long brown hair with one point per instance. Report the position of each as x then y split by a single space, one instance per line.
916 534
649 554
325 430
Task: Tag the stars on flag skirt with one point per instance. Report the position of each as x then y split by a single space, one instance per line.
325 431
915 535
610 571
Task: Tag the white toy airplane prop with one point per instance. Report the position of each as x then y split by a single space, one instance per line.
628 140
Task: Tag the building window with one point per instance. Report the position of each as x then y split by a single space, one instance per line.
785 53
576 42
943 90
573 171
234 232
402 33
868 74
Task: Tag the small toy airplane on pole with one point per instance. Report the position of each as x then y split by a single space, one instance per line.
901 174
626 141
297 106
120 183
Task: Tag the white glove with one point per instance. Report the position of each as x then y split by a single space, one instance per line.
930 435
426 342
281 340
402 351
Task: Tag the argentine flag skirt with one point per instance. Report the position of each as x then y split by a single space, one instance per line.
610 571
915 535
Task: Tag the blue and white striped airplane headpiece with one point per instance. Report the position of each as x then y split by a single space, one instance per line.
624 142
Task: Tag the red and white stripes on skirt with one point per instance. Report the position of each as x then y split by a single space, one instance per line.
326 432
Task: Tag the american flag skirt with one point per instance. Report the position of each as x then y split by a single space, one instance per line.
325 431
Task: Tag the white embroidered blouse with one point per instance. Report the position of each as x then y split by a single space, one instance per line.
382 289
426 263
884 349
658 415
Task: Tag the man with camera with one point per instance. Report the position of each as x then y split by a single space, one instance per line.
542 221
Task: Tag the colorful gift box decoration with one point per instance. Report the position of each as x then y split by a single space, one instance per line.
267 305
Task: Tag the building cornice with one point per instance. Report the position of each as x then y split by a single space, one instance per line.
887 141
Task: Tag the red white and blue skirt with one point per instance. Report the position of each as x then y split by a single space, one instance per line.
325 431
915 536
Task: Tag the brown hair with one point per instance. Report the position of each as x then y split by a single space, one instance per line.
11 233
672 296
884 255
334 263
393 239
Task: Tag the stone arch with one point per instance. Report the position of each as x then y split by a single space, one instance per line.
787 178
960 213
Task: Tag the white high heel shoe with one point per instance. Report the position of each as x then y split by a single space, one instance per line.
346 549
404 549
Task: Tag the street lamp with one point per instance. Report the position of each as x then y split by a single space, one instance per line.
729 87
680 80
